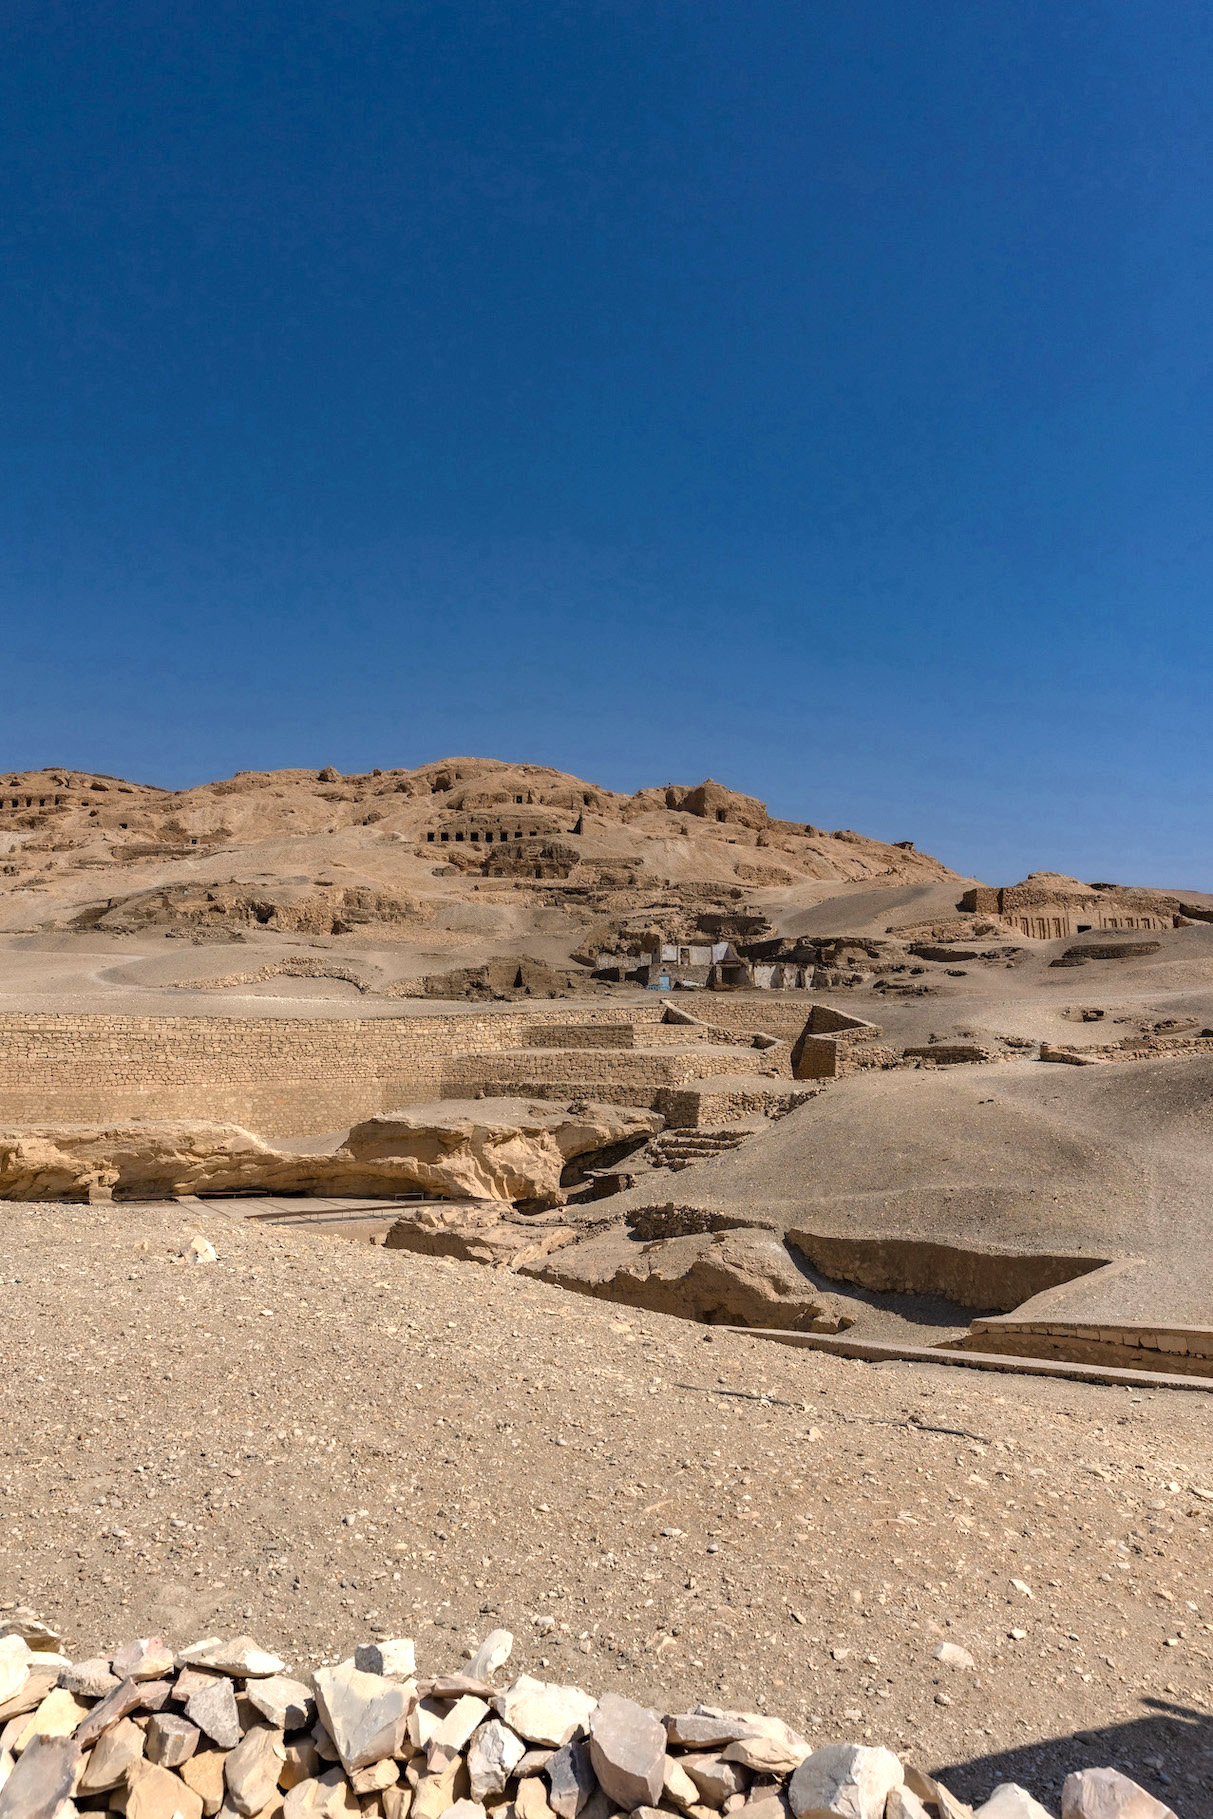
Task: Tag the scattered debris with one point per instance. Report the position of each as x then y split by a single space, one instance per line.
399 1748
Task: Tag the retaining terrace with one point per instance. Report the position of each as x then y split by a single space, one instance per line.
280 1077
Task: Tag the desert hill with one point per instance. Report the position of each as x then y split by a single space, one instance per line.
325 853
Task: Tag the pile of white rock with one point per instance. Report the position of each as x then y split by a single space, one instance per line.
221 1728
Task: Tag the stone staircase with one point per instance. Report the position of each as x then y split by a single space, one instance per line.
679 1148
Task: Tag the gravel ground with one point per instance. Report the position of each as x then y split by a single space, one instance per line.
319 1441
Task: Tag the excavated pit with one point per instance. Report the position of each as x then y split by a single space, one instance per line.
988 1281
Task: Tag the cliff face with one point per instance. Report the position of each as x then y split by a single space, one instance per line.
322 853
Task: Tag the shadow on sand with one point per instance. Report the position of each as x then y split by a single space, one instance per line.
1169 1750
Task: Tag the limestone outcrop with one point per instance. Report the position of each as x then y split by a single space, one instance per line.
744 1276
497 1150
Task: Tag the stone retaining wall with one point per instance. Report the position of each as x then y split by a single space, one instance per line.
744 1013
692 1106
1185 1349
277 1076
619 1076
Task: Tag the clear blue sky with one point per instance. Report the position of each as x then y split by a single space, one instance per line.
819 396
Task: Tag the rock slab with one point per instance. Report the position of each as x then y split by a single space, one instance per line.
844 1781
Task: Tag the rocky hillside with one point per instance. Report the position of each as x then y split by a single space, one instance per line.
319 853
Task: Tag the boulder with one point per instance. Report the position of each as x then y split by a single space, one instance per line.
716 1779
543 1713
327 1796
677 1787
193 1680
42 1780
252 1769
775 1806
423 1720
571 1779
492 1655
844 1781
170 1740
375 1779
19 1620
627 1750
89 1679
440 1789
395 1660
149 1658
302 1762
213 1709
41 1681
1010 1801
156 1793
57 1716
203 1771
903 1803
493 1755
14 1666
709 1728
126 1697
457 1726
530 1799
364 1713
282 1701
768 1747
111 1757
1104 1793
454 1686
240 1657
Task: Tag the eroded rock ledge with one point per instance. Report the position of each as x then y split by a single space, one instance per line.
493 1149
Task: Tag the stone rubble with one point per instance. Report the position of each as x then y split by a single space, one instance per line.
222 1729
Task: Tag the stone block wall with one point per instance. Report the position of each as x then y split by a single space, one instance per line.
585 1035
280 1077
745 1013
1186 1350
692 1107
620 1076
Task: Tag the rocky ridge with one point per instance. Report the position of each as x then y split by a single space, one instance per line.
224 1728
316 853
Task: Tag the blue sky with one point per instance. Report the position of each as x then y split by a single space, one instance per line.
817 397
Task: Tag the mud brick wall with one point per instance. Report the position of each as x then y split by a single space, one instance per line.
280 1077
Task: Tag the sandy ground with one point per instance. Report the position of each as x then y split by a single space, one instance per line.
1109 1162
314 1441
150 975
